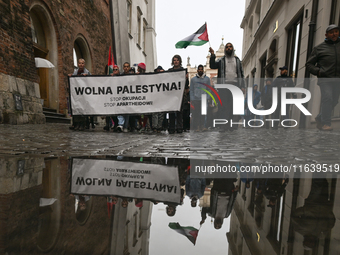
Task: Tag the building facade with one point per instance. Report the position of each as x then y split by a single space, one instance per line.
134 32
256 228
283 33
211 73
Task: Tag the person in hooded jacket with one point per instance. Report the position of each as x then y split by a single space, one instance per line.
197 86
324 62
230 71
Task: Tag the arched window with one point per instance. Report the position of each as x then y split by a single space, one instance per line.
272 48
81 50
250 28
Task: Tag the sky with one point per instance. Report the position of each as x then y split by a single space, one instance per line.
178 19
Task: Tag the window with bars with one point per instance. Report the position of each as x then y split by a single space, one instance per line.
145 25
139 25
129 14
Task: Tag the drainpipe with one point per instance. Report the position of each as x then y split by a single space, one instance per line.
113 32
311 33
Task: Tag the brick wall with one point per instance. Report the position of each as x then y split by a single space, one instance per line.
90 18
16 49
19 214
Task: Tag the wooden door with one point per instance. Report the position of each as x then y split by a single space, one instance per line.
43 74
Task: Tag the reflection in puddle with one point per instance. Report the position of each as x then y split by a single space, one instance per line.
120 205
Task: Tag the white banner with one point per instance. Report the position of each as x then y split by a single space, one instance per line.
125 179
127 94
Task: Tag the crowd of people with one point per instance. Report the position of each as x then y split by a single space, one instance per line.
230 71
178 121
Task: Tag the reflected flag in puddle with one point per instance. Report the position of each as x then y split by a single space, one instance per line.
190 232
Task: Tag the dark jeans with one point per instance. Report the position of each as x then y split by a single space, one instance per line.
176 118
132 122
329 99
225 111
186 119
198 120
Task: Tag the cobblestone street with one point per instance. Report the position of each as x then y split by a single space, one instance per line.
246 145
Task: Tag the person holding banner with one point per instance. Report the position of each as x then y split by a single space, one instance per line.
144 119
157 117
177 117
126 70
112 121
141 68
78 122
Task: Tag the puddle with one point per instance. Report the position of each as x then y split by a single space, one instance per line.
161 205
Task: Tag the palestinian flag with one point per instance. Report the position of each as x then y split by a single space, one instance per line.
190 232
110 63
199 38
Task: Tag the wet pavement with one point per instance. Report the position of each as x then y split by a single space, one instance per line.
98 192
248 145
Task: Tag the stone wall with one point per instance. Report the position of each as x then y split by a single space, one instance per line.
32 112
17 66
19 203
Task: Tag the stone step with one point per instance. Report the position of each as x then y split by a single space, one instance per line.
54 114
53 117
45 109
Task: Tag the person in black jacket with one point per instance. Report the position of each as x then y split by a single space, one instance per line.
176 118
324 62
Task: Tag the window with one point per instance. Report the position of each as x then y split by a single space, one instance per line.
334 12
293 47
251 206
139 25
81 50
145 24
135 232
250 29
263 62
126 238
129 12
275 231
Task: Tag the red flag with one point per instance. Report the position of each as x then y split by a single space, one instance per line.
110 62
109 206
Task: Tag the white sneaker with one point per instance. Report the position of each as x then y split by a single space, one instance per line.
125 130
